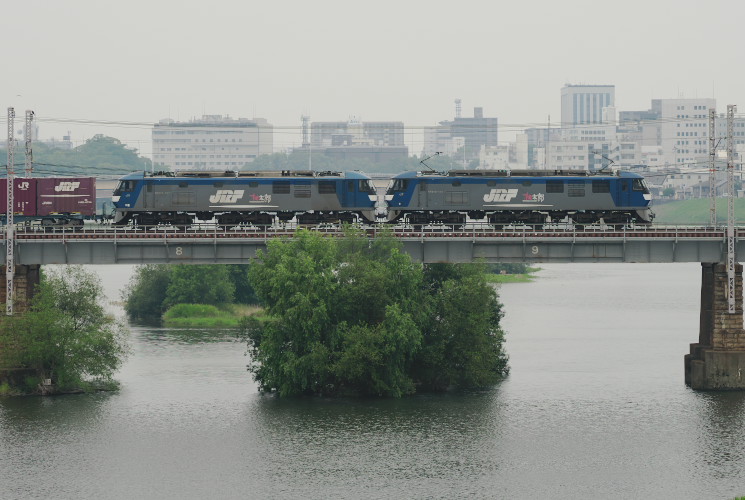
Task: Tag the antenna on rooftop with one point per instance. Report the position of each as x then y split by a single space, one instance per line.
305 119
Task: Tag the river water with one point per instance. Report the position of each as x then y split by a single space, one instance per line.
595 407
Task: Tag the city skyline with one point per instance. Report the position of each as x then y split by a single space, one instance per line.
85 71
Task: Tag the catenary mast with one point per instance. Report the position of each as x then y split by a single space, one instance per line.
712 169
9 225
731 209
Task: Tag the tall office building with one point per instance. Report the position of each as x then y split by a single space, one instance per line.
468 134
684 130
583 104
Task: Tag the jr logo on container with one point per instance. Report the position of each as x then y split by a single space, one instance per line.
500 195
226 196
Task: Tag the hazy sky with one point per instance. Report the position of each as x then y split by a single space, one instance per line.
139 61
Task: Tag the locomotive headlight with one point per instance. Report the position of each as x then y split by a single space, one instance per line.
373 197
648 197
388 197
115 199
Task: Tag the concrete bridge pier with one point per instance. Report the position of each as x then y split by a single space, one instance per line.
25 281
717 360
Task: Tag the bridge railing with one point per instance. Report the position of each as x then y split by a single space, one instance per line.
469 230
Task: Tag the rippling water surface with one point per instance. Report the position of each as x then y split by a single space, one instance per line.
595 407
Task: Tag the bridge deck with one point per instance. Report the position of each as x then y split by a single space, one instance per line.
101 244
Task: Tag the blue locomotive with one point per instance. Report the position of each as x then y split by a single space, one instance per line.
518 196
417 198
235 198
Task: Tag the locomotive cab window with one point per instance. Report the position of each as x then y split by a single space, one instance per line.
400 185
366 187
124 187
639 185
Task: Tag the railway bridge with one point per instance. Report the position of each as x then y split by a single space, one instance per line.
716 361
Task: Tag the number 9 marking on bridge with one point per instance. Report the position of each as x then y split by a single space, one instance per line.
534 250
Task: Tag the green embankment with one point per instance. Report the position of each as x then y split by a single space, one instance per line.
696 211
513 278
229 316
207 316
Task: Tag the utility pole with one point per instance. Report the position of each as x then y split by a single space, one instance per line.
28 133
731 209
9 225
712 169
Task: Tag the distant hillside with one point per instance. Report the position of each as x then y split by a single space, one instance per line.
696 211
100 155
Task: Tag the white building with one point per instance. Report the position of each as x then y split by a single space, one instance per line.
684 130
212 142
583 104
495 158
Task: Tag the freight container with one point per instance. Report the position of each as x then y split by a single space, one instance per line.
59 196
24 196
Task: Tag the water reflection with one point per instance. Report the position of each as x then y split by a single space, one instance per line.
437 441
186 336
720 435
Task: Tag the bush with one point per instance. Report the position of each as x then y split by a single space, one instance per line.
155 288
66 336
356 316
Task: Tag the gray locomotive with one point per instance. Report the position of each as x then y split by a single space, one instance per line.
235 198
518 196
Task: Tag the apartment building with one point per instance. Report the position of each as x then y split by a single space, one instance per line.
212 142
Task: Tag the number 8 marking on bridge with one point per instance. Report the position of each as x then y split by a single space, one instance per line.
179 251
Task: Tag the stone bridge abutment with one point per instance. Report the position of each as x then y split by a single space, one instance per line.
717 360
25 281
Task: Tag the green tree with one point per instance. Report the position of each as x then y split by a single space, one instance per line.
463 343
146 291
356 316
203 284
98 155
244 292
66 335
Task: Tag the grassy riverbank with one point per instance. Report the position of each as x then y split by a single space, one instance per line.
513 278
230 315
207 316
695 211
